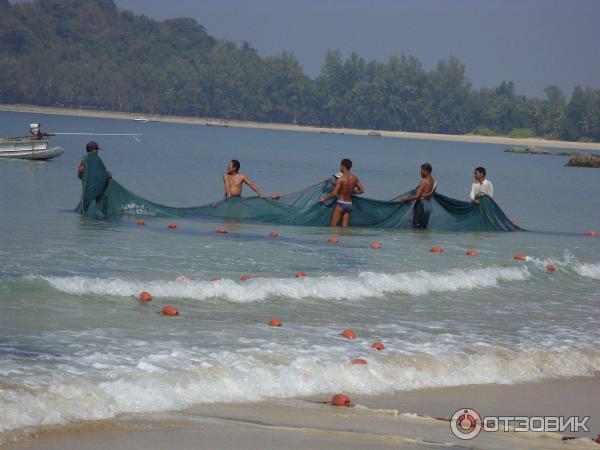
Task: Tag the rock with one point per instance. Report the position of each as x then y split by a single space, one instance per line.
584 160
569 154
531 149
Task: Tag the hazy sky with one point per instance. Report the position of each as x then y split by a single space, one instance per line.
532 42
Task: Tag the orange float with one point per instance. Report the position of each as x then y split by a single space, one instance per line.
349 334
141 222
340 400
245 277
333 240
145 297
299 274
472 253
592 233
359 361
274 234
437 250
221 230
378 346
520 257
172 226
550 268
275 323
170 311
375 245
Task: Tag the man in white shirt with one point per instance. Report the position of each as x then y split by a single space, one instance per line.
481 185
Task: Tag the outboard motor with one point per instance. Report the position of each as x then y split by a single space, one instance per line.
35 130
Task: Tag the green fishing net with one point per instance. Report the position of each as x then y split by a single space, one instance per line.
104 197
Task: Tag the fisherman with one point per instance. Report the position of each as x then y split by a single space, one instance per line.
346 186
481 186
234 181
93 175
90 148
422 197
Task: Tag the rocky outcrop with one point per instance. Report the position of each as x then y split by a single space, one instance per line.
584 160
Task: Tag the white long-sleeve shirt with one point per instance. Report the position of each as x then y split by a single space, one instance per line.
485 187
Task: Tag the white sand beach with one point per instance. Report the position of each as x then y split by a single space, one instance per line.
302 128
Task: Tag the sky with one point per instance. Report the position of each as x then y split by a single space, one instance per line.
534 43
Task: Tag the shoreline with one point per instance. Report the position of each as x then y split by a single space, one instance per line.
300 128
405 419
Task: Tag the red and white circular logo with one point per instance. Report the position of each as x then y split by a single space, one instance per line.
465 423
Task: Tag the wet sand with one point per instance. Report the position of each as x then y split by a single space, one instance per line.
374 422
311 129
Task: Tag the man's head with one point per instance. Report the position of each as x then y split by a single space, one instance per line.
92 147
479 174
345 165
426 170
233 166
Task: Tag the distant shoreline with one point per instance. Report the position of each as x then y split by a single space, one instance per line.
302 128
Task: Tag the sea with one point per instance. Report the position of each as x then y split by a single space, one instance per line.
76 343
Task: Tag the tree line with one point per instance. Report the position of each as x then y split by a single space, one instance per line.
89 54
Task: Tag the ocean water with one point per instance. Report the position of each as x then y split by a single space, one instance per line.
76 344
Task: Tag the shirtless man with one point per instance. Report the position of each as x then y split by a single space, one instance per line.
345 187
234 181
425 191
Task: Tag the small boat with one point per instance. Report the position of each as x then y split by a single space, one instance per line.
374 133
141 119
29 147
217 123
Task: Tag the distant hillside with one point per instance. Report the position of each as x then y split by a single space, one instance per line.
90 54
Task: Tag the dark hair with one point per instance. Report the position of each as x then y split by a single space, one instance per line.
481 170
427 167
236 164
347 163
92 145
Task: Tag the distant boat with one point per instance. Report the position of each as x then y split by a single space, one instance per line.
141 119
217 123
29 147
374 133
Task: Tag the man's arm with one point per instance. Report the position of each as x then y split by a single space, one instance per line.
418 194
359 188
491 189
225 184
80 169
255 188
332 195
473 199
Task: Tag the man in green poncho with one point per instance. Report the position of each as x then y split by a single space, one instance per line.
93 175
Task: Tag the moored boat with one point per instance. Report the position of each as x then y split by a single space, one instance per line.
217 123
29 147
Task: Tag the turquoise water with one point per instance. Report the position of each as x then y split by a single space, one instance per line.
76 344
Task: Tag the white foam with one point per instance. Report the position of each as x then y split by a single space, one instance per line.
588 270
364 285
226 376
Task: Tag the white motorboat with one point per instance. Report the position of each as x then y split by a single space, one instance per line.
217 123
29 147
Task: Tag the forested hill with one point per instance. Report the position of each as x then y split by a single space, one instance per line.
90 54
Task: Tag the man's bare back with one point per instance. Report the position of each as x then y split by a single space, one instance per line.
345 187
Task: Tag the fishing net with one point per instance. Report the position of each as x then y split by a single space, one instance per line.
104 197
